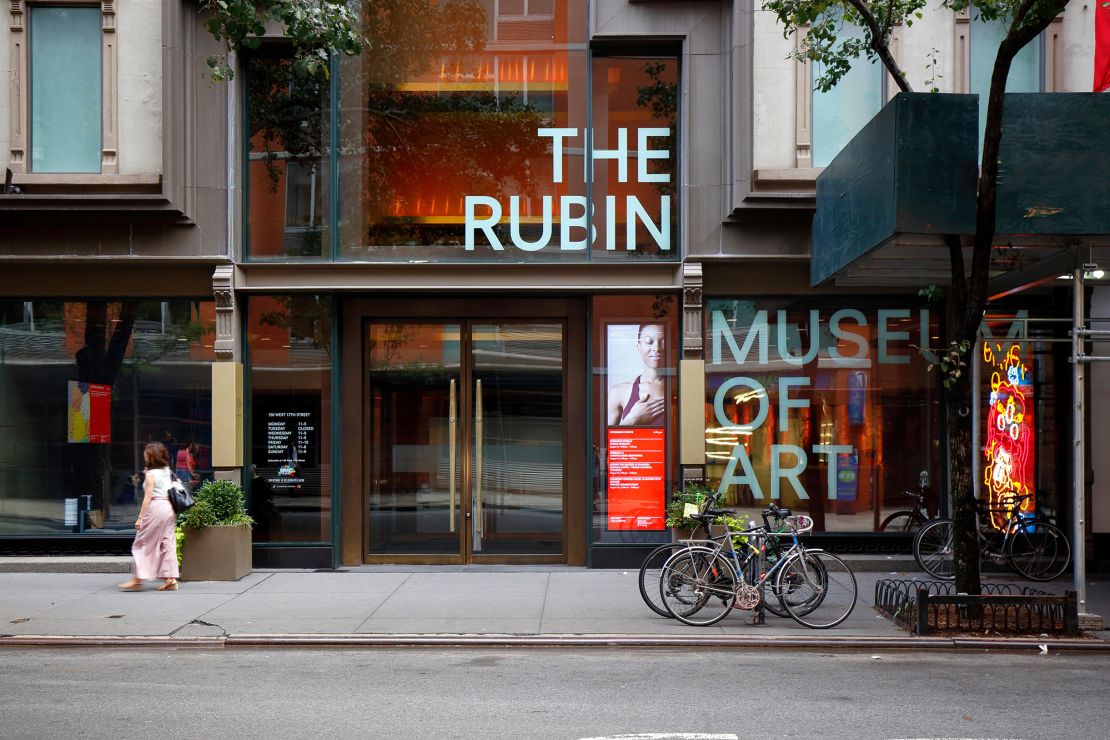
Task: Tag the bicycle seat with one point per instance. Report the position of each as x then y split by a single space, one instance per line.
720 512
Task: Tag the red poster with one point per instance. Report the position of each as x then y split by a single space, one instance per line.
637 467
89 417
100 417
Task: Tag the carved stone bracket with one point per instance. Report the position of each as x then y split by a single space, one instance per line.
691 310
223 290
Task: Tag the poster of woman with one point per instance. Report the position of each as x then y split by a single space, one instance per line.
636 357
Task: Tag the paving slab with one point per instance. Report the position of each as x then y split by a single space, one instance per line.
451 625
322 583
296 607
284 626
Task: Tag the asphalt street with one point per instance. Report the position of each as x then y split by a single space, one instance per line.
545 693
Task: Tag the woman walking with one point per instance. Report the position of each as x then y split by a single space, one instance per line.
155 548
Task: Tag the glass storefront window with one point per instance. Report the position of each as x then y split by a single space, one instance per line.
288 173
635 355
635 106
84 386
447 113
467 132
289 342
827 409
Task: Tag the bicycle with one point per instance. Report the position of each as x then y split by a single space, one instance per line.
699 586
652 567
1030 545
910 520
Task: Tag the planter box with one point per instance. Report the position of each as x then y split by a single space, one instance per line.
680 533
216 553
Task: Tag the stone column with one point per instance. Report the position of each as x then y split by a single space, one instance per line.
227 380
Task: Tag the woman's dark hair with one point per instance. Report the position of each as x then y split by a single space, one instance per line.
156 456
194 449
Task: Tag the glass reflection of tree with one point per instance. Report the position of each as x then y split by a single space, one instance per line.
448 143
308 319
287 116
661 98
109 330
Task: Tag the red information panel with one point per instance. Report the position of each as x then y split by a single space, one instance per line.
637 467
100 416
89 417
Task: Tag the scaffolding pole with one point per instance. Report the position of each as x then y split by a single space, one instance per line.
1079 463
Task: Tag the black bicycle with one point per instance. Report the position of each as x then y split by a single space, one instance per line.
908 521
1031 545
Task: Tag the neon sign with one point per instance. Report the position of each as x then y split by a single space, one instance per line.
1009 446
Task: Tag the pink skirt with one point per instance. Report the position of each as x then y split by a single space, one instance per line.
155 548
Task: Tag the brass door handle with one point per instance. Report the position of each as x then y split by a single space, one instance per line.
452 424
478 457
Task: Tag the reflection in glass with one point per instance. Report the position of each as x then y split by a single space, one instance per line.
630 343
290 363
448 104
416 483
287 170
518 449
137 371
828 410
506 422
633 94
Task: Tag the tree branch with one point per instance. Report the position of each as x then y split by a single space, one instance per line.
987 202
880 44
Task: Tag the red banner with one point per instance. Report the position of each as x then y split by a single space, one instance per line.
1102 45
637 468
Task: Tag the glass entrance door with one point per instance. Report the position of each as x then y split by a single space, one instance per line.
466 448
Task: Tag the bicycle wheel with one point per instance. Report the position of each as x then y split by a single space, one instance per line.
650 573
820 596
1039 551
932 549
906 522
794 588
698 586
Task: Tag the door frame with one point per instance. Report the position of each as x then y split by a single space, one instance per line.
358 314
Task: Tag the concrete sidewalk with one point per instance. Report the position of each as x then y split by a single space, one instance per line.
421 605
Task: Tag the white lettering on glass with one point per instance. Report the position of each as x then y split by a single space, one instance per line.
636 210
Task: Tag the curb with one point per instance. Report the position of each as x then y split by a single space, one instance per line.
555 641
110 641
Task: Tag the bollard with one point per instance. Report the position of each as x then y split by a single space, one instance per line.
922 611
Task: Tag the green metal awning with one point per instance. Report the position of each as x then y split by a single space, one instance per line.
909 178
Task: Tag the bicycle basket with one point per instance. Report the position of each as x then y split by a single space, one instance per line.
799 523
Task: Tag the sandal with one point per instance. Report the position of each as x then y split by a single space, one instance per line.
168 586
132 585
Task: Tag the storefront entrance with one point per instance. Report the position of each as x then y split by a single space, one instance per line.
467 447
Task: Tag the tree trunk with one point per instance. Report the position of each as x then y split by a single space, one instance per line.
100 361
961 447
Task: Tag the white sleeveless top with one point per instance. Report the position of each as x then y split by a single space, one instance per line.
161 483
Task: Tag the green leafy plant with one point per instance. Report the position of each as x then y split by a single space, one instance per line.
693 493
219 503
316 28
697 494
179 537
